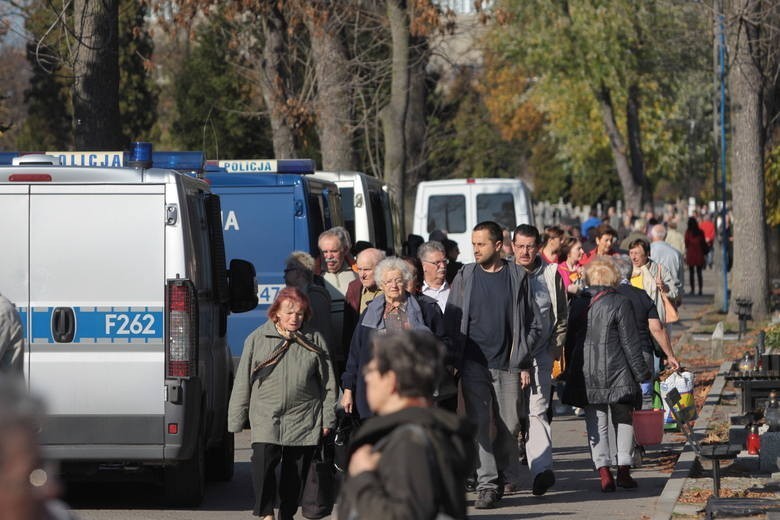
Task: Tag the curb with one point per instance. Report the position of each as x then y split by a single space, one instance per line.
664 507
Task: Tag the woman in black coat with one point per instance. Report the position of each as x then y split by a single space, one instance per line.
605 368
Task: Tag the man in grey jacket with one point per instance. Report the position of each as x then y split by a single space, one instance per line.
550 296
11 338
495 326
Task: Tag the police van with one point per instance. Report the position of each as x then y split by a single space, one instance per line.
270 208
457 205
120 278
366 208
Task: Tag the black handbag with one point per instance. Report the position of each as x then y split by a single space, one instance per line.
319 492
346 425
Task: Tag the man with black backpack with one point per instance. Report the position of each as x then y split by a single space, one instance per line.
426 453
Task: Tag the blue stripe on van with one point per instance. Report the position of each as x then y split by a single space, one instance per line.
103 324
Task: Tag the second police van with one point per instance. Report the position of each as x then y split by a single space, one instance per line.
270 208
119 274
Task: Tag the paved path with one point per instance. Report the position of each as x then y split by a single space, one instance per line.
576 494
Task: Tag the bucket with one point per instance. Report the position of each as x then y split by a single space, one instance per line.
648 426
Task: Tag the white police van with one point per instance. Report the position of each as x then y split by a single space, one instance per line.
366 208
120 278
457 205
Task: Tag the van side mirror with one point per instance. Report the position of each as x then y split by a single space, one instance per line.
242 285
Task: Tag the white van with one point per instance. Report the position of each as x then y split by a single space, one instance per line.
365 206
119 275
457 205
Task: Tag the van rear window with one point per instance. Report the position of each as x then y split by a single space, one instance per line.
348 209
447 212
316 222
498 207
380 222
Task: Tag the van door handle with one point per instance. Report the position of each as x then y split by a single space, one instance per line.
63 324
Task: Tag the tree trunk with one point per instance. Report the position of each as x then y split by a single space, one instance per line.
747 165
635 146
274 77
632 192
333 102
393 115
95 96
416 121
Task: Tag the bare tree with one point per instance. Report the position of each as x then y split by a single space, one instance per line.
95 61
333 101
393 115
274 80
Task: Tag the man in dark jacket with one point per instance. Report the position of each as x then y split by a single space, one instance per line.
493 321
410 460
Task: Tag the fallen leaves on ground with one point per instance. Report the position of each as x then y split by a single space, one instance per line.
700 496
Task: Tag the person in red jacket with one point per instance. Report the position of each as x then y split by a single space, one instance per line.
695 251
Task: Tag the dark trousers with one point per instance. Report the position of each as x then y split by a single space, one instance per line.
294 462
697 269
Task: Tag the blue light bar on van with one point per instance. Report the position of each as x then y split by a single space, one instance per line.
180 161
7 157
141 152
298 166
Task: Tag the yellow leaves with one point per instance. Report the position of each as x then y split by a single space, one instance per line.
506 91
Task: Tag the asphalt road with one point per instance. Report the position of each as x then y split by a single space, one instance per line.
120 501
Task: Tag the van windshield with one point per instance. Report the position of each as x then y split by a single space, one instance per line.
498 207
447 212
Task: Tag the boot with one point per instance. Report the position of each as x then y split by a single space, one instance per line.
624 479
607 483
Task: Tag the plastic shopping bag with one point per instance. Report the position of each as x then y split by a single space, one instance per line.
683 382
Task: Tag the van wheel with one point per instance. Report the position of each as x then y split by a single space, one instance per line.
219 459
185 482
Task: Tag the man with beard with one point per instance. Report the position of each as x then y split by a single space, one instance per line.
493 321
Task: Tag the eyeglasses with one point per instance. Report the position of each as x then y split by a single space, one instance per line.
395 281
530 247
440 262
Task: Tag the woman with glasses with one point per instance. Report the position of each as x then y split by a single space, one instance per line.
393 310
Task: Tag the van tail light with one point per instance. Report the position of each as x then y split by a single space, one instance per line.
181 344
29 177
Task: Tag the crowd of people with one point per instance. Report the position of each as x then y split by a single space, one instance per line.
462 361
452 368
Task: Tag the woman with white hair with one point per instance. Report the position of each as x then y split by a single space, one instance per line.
393 310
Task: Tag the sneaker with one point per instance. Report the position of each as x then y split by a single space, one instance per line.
487 499
542 482
471 484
